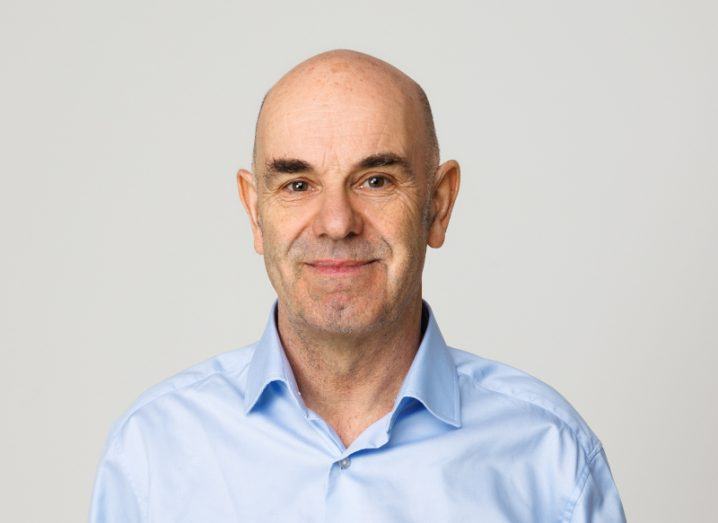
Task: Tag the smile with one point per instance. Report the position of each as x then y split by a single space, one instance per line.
333 267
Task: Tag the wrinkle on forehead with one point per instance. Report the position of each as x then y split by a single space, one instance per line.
334 106
343 94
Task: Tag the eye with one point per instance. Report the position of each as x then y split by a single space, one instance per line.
297 186
376 182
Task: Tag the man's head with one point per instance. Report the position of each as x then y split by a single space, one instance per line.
346 191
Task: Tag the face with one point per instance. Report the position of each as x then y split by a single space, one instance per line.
341 205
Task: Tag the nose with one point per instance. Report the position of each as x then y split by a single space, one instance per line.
336 217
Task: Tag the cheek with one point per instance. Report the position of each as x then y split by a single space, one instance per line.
401 227
280 228
276 244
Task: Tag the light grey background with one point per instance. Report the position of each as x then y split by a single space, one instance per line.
583 248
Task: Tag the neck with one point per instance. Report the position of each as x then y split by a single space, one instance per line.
351 381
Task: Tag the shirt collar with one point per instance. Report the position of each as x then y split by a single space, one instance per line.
431 379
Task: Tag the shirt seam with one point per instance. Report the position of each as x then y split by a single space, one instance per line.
580 485
175 388
580 435
141 502
144 504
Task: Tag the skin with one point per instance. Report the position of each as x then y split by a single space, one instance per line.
345 196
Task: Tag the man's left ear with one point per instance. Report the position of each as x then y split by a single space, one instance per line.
446 188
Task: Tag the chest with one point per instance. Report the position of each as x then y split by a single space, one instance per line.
267 471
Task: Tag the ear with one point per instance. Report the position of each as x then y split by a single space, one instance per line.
248 194
446 189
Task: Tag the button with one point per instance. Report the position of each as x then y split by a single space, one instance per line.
344 464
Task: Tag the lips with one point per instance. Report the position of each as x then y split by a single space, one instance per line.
339 267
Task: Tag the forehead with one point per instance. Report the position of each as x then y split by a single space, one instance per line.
334 121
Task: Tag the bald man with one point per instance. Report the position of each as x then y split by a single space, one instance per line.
351 407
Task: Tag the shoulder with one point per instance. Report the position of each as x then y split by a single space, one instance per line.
524 393
229 366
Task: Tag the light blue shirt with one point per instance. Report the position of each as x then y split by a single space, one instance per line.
231 440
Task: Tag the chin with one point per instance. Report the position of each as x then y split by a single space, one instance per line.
341 314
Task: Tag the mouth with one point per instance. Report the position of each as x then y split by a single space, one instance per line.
336 267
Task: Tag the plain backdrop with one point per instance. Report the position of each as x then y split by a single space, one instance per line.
583 248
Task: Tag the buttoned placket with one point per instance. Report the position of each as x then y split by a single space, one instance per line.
374 436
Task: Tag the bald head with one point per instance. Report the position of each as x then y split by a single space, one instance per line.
345 82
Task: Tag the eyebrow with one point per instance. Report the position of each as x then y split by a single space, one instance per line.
384 160
286 166
279 166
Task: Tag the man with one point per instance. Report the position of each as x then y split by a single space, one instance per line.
351 407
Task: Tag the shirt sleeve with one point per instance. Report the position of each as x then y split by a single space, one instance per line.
598 500
114 497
